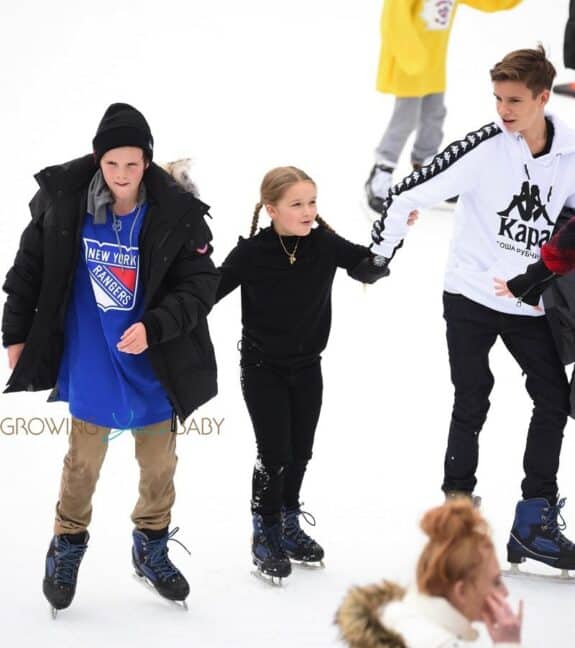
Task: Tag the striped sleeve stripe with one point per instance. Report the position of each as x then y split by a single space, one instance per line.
442 161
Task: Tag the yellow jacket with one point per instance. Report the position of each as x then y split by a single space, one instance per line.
415 34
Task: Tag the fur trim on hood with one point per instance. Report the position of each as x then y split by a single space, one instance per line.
181 172
358 616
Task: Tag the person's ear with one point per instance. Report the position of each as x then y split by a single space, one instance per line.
544 97
271 210
458 594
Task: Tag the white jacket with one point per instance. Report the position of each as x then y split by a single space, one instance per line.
430 622
508 204
384 615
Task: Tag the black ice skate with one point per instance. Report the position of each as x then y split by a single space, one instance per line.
296 542
267 552
152 565
536 534
61 573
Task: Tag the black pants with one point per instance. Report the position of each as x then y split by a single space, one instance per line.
284 406
471 332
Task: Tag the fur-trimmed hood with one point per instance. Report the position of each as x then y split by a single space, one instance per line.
358 617
387 616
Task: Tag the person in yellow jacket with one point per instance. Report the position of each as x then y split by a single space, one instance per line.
415 36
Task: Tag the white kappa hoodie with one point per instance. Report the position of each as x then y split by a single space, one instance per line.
508 204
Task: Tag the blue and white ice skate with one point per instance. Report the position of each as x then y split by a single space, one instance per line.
536 534
154 568
61 572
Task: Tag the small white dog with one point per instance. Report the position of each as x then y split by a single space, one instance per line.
180 170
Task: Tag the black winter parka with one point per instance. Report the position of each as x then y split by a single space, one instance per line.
179 283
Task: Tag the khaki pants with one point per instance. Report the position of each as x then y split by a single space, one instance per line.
156 455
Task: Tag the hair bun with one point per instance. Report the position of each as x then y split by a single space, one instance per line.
452 521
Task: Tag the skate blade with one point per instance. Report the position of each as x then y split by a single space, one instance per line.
515 572
53 612
268 579
312 565
182 605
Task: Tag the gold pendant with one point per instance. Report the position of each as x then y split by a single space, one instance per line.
292 258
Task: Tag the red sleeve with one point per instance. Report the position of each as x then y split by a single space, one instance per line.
559 254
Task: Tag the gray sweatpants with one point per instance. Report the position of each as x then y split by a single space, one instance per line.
426 114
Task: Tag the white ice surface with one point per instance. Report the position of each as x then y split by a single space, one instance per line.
241 87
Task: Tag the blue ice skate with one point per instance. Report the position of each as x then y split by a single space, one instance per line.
61 572
297 544
536 534
268 554
151 562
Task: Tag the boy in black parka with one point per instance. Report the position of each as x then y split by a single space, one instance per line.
107 304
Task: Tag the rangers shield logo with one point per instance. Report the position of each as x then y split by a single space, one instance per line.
113 273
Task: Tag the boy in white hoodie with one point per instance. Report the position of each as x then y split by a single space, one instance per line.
513 178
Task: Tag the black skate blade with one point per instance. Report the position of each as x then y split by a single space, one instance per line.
515 572
182 605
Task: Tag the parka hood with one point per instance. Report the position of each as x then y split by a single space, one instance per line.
359 616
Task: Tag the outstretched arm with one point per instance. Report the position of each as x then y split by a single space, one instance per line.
453 171
358 260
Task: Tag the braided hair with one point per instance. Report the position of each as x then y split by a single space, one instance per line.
274 185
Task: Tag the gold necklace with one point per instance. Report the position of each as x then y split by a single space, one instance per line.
291 255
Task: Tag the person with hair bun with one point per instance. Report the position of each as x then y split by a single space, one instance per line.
286 273
458 583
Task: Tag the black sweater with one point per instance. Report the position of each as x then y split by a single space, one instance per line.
286 308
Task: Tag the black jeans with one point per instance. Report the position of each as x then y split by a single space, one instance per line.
471 332
284 406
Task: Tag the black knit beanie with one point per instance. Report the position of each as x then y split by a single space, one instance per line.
123 125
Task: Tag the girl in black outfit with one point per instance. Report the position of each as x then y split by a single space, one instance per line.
286 273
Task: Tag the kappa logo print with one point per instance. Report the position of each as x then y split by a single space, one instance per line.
437 13
113 273
524 207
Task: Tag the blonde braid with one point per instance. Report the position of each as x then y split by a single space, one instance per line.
255 218
322 223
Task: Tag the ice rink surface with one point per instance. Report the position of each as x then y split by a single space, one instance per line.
242 87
